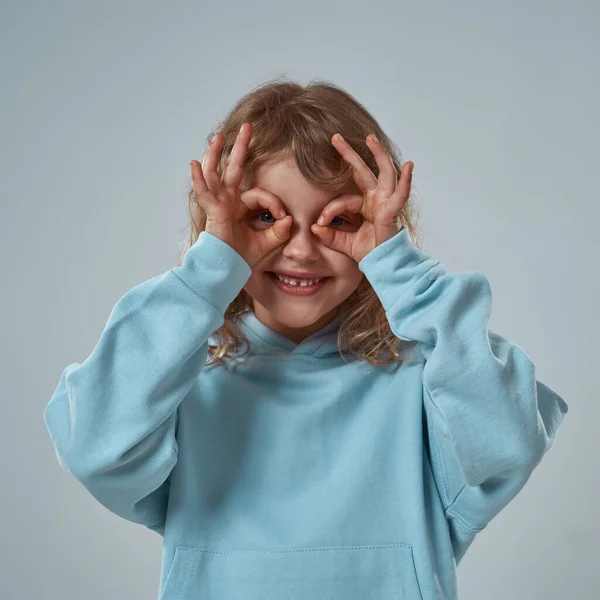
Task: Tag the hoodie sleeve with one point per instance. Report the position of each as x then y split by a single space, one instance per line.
112 418
489 420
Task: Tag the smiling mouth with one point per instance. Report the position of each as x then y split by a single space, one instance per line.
299 279
301 289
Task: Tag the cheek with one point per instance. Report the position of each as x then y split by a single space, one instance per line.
350 276
346 269
256 284
351 282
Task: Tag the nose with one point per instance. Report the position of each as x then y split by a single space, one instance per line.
302 245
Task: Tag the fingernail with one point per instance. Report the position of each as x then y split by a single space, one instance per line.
321 220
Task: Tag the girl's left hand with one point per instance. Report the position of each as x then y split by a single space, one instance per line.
380 204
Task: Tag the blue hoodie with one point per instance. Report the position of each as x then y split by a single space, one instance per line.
291 473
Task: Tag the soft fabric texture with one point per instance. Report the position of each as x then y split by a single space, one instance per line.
290 474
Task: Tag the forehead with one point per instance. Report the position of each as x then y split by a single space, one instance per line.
284 179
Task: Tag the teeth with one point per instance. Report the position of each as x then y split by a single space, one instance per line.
300 282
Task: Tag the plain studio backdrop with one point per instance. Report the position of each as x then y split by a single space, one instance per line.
103 105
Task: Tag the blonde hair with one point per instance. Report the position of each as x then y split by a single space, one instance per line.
294 121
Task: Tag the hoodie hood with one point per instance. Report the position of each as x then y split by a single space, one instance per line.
264 340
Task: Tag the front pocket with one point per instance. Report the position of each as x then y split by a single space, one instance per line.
384 572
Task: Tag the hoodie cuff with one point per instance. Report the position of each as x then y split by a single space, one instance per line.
214 270
394 267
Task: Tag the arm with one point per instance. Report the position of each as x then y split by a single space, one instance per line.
490 421
113 418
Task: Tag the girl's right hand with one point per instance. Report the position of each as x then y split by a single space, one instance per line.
227 210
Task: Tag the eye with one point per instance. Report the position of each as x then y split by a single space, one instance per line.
260 214
350 224
266 212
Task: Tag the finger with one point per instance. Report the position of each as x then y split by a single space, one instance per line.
256 198
277 234
234 170
348 202
198 182
341 241
399 198
362 175
388 176
210 162
202 194
406 172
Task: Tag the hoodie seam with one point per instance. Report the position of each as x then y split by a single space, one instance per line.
278 349
467 524
453 512
323 344
196 293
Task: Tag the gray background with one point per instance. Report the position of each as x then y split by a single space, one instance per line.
103 105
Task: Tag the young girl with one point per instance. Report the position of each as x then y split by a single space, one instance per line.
321 462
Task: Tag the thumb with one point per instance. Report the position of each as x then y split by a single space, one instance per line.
337 240
327 235
279 232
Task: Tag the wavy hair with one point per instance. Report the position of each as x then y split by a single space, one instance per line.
290 120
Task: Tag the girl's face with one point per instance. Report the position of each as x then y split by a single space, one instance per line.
298 316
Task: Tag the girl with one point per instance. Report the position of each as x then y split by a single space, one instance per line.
373 424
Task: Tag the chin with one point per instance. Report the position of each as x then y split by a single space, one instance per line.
296 319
